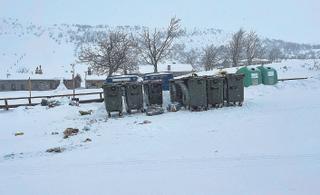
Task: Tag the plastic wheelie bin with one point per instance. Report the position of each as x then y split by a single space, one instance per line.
153 92
215 91
113 98
164 77
134 97
234 89
197 91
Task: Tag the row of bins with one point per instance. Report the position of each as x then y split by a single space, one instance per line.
129 92
200 93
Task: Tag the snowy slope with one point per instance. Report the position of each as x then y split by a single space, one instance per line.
268 146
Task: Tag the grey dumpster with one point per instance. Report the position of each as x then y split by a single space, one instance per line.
197 90
234 89
153 92
134 97
215 91
113 98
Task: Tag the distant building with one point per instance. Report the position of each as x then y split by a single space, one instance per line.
23 85
175 68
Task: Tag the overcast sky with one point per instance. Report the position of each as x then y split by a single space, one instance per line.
291 20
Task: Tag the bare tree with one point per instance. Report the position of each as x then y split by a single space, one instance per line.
191 57
156 45
274 54
210 57
236 47
110 55
251 45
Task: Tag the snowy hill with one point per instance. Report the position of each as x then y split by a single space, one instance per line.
24 46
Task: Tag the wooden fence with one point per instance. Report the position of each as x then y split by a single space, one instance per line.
6 104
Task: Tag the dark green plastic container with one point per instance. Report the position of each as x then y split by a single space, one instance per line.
113 98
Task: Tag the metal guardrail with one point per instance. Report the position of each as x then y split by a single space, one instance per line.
292 79
7 106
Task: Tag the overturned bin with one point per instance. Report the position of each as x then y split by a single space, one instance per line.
215 91
134 96
153 92
113 98
234 89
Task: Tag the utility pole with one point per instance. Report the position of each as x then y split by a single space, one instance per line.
73 81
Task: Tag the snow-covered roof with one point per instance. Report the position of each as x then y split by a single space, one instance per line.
164 67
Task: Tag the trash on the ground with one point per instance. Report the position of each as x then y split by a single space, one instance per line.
88 112
18 133
154 110
144 122
92 121
53 103
86 128
74 102
54 133
44 102
70 132
55 150
88 140
174 107
13 155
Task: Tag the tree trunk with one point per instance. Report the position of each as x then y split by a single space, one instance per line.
155 67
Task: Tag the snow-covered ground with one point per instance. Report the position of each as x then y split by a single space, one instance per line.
268 146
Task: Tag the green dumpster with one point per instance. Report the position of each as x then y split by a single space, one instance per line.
197 89
269 75
215 91
252 76
234 89
134 97
153 92
113 98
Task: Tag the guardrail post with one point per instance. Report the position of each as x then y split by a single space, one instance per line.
100 96
29 99
6 104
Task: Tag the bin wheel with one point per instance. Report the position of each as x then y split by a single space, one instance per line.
129 111
240 103
142 110
120 113
109 114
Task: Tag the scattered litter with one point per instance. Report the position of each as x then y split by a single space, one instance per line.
53 103
174 107
88 140
55 150
44 102
92 121
54 133
13 155
154 110
18 133
144 122
85 112
70 132
74 102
